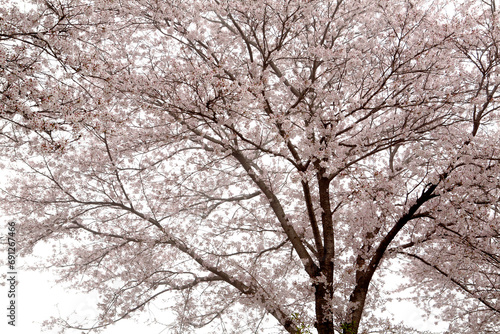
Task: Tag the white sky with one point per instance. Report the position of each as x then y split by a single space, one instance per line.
39 298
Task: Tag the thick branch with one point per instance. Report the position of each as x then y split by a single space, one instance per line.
299 247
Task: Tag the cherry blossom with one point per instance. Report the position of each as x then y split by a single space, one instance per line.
253 162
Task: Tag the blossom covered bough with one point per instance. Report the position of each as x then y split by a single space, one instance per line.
258 162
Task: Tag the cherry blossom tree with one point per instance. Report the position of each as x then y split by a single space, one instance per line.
253 162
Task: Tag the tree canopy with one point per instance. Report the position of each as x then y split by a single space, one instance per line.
248 160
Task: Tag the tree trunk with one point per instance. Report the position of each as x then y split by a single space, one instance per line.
358 298
324 290
324 324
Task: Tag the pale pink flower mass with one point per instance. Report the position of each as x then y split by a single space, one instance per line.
257 166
